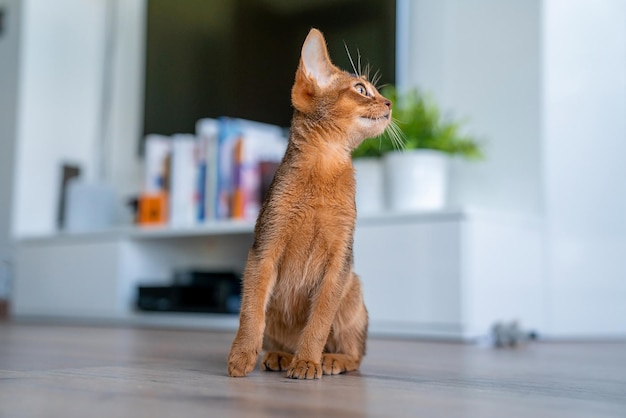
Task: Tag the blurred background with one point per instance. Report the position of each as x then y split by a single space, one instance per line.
542 81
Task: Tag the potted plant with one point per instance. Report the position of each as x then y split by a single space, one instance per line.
416 151
370 178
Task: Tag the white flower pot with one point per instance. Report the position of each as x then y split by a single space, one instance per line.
416 180
369 185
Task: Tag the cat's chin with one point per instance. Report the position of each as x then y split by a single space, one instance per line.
375 126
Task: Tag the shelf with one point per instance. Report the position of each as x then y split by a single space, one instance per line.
227 227
231 227
207 229
146 232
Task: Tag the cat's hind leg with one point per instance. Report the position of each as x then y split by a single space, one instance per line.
333 363
276 357
345 352
276 361
345 347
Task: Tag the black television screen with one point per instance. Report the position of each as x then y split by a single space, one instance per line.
238 57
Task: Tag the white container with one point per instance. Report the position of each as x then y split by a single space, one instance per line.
369 175
89 206
416 180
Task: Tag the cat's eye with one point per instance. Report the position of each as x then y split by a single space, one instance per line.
360 88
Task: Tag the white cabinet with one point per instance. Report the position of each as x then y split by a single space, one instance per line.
411 274
450 274
94 276
70 278
437 274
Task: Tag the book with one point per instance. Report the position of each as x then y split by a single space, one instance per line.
232 131
256 156
184 179
207 133
156 168
153 201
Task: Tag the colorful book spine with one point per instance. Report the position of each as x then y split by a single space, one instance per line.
228 134
256 152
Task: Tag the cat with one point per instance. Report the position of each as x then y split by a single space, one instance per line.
301 301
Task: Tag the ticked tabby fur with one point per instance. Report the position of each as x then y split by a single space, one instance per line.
302 302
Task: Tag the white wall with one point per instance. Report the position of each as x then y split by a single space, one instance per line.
584 146
61 56
9 41
545 82
124 167
480 59
61 102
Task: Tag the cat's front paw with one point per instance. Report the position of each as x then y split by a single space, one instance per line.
304 369
240 363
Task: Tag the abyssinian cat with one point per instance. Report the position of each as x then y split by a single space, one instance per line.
302 301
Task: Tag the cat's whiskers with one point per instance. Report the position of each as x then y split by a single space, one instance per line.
368 70
376 79
396 135
363 72
350 57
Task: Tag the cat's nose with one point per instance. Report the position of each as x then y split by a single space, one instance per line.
388 103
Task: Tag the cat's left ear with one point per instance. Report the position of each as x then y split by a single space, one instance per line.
315 72
315 61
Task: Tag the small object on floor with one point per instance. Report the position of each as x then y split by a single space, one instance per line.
509 334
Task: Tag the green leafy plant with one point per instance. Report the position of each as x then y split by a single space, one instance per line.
421 126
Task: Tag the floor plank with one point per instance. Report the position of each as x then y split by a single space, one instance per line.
67 371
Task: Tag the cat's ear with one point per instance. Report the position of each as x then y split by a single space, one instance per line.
315 71
315 61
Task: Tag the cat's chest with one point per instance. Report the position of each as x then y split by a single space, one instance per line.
325 188
308 250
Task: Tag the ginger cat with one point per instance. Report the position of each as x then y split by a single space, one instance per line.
302 301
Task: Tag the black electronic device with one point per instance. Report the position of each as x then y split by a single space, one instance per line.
193 291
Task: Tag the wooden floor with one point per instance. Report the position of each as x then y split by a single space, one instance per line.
62 371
